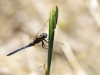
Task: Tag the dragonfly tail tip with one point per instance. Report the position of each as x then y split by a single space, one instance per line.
8 54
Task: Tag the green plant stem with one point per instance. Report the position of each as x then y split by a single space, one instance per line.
52 25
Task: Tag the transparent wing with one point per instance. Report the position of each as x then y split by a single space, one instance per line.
56 48
43 29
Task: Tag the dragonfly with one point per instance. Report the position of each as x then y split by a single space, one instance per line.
37 40
41 38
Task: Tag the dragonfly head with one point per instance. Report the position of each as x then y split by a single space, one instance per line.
44 35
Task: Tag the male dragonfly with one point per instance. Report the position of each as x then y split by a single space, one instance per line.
41 38
37 40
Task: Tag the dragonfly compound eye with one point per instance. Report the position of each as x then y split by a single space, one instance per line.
45 35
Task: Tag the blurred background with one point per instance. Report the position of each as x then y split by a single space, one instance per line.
78 29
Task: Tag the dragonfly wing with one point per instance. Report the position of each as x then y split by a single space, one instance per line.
43 29
18 50
57 48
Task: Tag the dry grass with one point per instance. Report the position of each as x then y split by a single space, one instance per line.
78 28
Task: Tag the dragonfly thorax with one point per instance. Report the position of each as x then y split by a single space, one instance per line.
44 35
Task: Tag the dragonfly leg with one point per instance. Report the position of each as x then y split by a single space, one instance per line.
45 40
43 45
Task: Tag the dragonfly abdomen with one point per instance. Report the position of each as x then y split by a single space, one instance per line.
19 49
